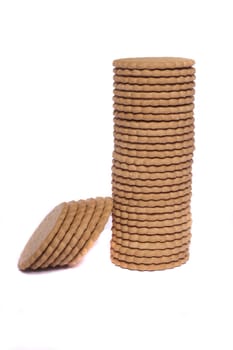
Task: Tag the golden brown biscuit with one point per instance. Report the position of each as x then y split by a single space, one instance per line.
153 62
160 190
154 110
154 95
150 197
148 260
152 168
135 238
153 102
153 125
154 139
148 267
153 200
149 162
150 209
145 154
154 72
42 236
149 218
164 245
154 147
154 80
166 230
149 253
159 117
153 133
156 224
154 88
151 182
156 241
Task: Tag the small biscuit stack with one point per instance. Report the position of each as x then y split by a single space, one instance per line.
152 162
66 234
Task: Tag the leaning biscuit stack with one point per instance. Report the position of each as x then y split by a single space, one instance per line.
152 162
66 234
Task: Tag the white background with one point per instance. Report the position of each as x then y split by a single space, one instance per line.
56 145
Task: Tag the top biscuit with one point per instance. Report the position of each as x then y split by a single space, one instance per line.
153 63
42 236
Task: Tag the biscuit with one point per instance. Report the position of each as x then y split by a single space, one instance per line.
154 147
153 139
156 224
147 154
42 236
148 267
157 95
151 183
154 72
47 255
148 260
150 210
153 133
160 190
149 217
154 196
88 243
153 161
137 175
165 230
149 253
154 80
159 117
135 238
154 88
183 197
152 245
153 62
153 125
153 110
153 102
74 231
152 169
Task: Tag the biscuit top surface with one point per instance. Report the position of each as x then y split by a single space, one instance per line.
47 227
153 62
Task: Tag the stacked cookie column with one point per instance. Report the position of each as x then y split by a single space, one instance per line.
152 162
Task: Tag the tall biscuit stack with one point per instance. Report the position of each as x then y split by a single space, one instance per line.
152 162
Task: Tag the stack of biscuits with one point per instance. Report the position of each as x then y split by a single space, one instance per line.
66 234
152 162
